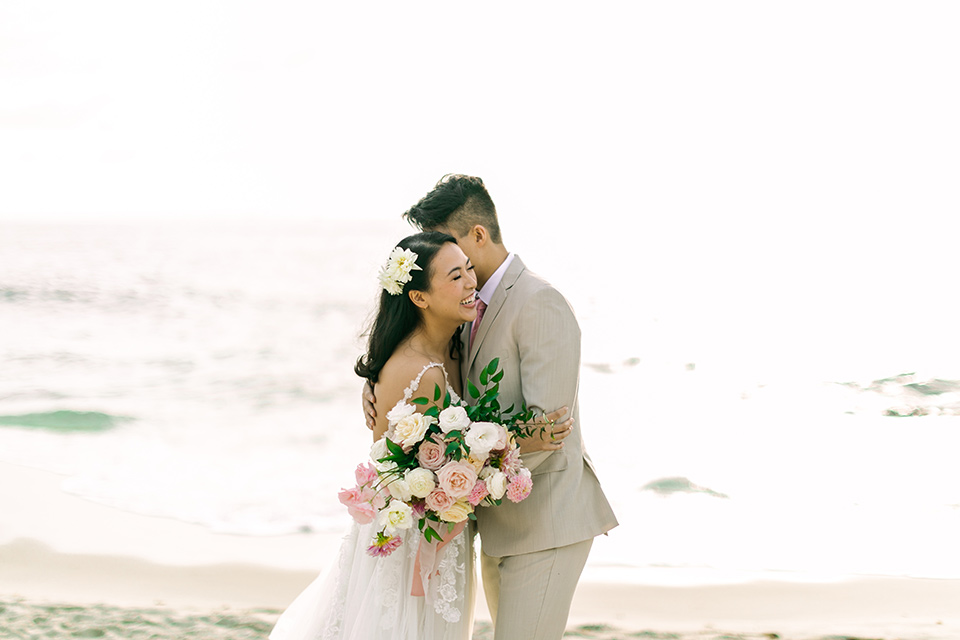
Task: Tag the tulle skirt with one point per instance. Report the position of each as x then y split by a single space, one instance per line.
366 598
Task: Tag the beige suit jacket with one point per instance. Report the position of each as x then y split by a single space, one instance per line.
533 330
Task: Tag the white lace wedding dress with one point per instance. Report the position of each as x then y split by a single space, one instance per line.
366 598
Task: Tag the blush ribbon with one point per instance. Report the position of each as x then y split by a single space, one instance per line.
428 553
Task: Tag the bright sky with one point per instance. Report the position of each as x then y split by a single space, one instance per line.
725 151
685 110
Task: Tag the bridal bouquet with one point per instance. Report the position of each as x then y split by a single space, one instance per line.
432 469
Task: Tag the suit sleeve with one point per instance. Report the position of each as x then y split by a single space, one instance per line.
548 338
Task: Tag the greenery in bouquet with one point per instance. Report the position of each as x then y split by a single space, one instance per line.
433 469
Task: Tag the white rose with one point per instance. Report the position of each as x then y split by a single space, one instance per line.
400 411
486 472
454 419
411 429
399 489
421 482
395 516
379 450
481 438
497 485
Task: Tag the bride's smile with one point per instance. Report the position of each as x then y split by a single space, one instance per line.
452 296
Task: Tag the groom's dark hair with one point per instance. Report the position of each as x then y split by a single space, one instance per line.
457 202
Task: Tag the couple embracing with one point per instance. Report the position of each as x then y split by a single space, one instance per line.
454 298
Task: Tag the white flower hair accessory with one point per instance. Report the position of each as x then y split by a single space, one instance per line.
396 272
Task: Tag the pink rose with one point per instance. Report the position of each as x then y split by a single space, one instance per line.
431 454
479 493
439 501
362 513
365 474
374 497
358 504
349 496
457 479
519 488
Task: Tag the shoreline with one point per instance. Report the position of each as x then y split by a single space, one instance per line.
59 549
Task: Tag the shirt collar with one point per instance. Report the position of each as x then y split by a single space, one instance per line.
486 292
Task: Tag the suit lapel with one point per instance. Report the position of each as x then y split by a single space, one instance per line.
493 309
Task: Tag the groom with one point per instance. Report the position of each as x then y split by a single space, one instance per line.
533 551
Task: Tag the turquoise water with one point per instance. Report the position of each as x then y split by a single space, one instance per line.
204 373
65 420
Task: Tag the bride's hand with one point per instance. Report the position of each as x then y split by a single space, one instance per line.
548 434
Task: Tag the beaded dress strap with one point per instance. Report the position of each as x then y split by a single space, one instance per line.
415 384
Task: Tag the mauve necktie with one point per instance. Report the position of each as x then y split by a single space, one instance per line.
481 307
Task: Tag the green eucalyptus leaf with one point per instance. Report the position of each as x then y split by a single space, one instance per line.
393 447
420 401
474 392
436 392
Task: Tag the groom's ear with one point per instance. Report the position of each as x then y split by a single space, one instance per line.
417 298
478 234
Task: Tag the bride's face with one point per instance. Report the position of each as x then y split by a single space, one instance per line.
453 285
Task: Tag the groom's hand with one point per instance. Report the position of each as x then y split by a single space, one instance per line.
548 434
368 401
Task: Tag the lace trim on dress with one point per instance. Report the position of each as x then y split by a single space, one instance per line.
389 574
451 580
332 630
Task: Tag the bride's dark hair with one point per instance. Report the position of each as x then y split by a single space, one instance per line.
397 316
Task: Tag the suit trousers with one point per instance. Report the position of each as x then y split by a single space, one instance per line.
529 594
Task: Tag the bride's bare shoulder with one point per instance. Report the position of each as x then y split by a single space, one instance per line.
400 371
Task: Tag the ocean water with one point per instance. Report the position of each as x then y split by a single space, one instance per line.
204 373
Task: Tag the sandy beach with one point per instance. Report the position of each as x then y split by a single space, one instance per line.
72 568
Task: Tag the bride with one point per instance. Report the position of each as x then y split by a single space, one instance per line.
429 292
